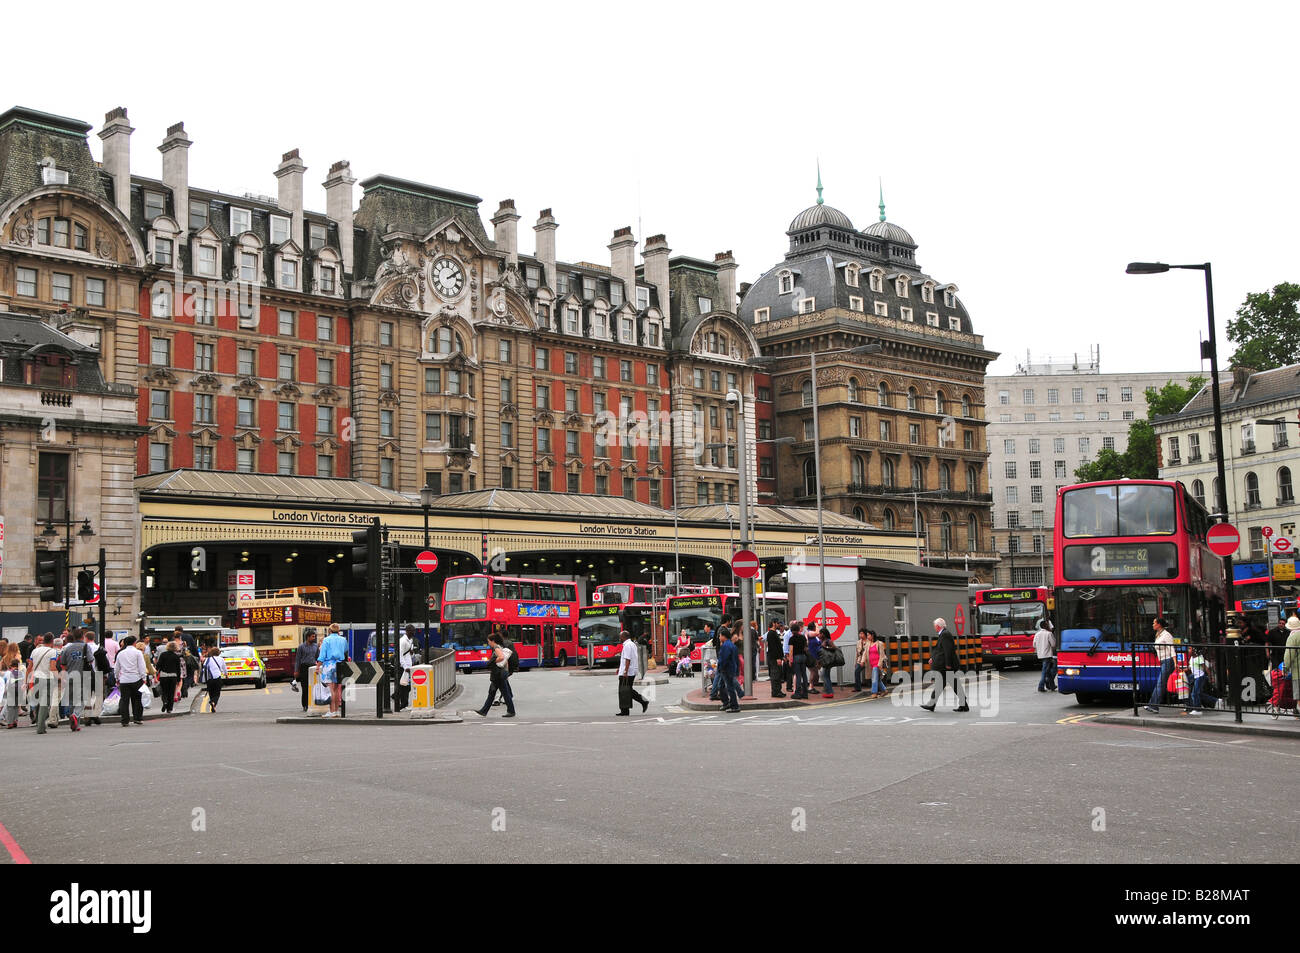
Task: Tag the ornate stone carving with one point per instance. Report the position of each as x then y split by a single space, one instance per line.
206 381
288 390
161 375
24 229
105 245
247 387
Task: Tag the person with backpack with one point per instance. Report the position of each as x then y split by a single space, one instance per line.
499 676
169 675
75 669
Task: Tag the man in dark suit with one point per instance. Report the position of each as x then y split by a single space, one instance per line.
943 659
725 680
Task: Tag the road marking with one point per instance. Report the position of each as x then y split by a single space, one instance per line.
11 845
1078 719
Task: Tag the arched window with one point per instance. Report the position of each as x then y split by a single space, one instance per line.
858 515
940 403
911 398
859 469
918 475
1252 491
1198 491
972 480
887 472
1284 492
887 519
445 339
807 393
809 477
882 394
945 532
918 526
972 533
945 476
853 389
965 405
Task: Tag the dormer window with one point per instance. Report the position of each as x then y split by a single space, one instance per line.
807 305
327 281
572 321
241 220
785 282
705 304
50 175
627 332
599 327
206 261
198 214
954 323
762 314
949 299
316 237
927 293
588 288
932 319
162 251
851 276
615 294
289 273
882 309
905 314
561 284
154 205
855 303
279 229
532 276
642 298
900 287
247 266
652 333
877 282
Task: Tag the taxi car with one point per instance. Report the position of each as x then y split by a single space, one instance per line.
243 665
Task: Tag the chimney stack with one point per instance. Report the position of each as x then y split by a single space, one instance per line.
290 173
622 260
655 255
545 231
506 221
175 151
116 135
726 266
338 207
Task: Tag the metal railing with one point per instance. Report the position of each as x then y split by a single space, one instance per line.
1239 677
444 674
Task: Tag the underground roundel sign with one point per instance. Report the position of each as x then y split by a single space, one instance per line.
834 618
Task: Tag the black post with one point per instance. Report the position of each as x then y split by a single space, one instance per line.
103 593
425 654
381 627
1133 662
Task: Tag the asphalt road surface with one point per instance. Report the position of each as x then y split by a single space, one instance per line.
1022 777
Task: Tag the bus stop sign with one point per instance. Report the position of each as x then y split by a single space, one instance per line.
1223 539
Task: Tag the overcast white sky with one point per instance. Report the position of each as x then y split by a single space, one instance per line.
1032 150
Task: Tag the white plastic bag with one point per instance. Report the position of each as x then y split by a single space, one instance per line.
321 694
146 696
111 703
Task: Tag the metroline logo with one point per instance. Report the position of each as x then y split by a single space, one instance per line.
75 906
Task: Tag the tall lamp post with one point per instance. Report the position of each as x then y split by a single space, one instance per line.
84 533
427 496
736 398
1208 349
872 348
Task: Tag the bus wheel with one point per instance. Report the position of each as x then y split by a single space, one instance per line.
999 664
564 659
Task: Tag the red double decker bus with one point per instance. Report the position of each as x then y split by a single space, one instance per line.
1128 551
540 616
1006 620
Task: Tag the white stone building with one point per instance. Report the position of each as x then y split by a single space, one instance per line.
1045 421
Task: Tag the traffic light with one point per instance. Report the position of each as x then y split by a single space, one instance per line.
51 575
365 554
85 586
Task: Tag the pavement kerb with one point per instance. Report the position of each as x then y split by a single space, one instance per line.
774 706
1188 724
400 719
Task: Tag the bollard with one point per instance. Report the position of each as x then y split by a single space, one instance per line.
313 707
423 695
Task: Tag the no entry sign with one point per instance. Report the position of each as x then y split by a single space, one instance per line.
745 564
834 619
1223 539
419 676
426 562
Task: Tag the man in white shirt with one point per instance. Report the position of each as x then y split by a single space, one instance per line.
406 651
44 680
1164 647
131 674
628 662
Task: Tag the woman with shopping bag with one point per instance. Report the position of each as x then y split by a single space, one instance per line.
214 672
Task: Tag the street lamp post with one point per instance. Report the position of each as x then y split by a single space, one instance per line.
427 496
84 533
747 584
1212 351
817 451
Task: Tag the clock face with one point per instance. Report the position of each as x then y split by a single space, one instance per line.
448 277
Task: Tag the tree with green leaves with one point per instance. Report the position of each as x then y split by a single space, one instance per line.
1266 331
1138 461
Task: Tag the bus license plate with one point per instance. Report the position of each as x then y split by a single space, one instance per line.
1121 686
